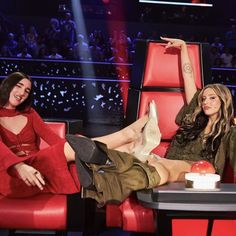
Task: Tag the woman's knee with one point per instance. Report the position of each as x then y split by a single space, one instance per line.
69 152
161 170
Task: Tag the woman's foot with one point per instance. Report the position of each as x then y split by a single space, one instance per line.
134 130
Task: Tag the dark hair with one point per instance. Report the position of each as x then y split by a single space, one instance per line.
8 84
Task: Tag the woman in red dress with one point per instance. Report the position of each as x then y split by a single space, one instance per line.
25 170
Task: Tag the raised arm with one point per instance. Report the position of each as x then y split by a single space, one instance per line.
187 70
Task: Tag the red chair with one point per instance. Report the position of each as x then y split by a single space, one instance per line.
156 75
41 212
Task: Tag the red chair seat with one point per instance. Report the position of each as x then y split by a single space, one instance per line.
135 216
42 212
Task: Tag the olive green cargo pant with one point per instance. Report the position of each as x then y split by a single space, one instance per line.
116 181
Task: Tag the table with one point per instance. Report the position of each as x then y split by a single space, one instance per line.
173 201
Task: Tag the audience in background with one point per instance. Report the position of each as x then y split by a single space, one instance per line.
214 55
233 62
61 40
11 44
230 38
24 53
5 52
217 44
226 57
54 54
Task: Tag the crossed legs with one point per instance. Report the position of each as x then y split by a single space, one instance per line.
127 139
124 140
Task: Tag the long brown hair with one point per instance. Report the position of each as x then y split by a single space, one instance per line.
191 129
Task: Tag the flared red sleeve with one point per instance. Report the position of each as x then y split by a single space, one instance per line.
8 158
43 130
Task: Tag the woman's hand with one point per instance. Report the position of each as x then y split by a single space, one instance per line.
30 175
174 43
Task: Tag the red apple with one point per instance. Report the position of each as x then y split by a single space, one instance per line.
203 167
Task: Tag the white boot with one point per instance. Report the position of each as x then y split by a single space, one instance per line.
151 135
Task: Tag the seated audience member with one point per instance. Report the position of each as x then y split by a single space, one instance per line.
68 29
43 52
230 38
81 49
52 33
5 52
233 61
32 41
54 54
24 53
214 54
217 43
11 44
226 57
218 62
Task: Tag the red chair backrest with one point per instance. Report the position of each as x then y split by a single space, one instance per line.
160 79
58 127
168 105
163 67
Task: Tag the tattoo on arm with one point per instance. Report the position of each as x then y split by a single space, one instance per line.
187 68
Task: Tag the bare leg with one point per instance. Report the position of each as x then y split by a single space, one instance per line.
162 171
124 136
175 168
124 140
128 148
69 152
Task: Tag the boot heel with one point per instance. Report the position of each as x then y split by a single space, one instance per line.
85 175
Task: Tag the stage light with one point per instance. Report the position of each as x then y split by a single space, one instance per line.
180 3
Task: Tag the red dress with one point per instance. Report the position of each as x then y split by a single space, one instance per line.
51 161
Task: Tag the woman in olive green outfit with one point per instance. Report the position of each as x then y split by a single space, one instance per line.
215 146
206 133
207 130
